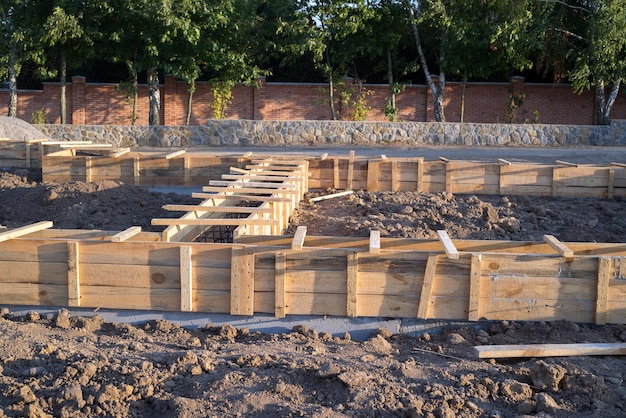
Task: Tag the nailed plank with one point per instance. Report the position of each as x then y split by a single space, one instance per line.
373 172
279 285
374 242
558 246
550 350
223 209
119 153
73 274
252 184
423 308
270 191
242 282
208 222
350 170
603 290
25 230
474 292
352 309
565 163
239 197
186 279
448 245
298 238
175 154
126 234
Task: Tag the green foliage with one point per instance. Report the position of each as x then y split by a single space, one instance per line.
39 117
353 100
222 97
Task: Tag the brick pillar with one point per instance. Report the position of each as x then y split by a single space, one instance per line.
170 102
258 99
77 109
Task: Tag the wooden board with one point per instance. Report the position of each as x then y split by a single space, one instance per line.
550 350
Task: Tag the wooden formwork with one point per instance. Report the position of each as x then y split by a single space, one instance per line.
275 186
354 277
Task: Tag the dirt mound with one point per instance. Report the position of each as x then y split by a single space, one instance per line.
106 205
59 365
420 215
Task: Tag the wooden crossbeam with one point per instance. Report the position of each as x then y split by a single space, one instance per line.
448 245
175 154
249 184
24 230
126 234
262 176
119 153
248 190
558 246
565 163
298 238
550 350
88 146
212 222
239 197
221 209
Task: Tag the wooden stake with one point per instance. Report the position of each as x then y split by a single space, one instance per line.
88 169
298 238
186 279
279 285
242 282
136 178
126 234
374 242
73 274
350 170
550 350
24 230
335 173
558 246
352 283
423 310
373 168
448 245
420 174
602 290
474 292
394 176
610 183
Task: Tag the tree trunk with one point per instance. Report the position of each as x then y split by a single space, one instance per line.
191 90
63 83
12 105
392 93
155 96
437 91
604 105
331 87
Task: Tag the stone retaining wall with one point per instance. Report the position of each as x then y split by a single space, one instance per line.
328 133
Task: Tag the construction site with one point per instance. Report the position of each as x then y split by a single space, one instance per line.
472 291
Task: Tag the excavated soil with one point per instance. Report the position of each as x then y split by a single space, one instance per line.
61 365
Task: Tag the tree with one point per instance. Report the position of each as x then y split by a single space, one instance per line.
324 27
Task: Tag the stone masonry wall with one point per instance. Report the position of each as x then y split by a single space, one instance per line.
335 133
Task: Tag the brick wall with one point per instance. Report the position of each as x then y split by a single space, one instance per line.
103 104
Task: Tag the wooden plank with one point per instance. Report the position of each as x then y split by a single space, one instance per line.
210 222
350 170
336 173
24 230
602 294
352 309
331 196
126 234
119 153
279 285
221 209
423 309
242 282
611 183
373 173
558 246
565 163
420 174
253 184
175 154
448 245
474 292
374 247
298 238
87 145
186 279
73 274
136 169
239 197
270 191
394 176
550 350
